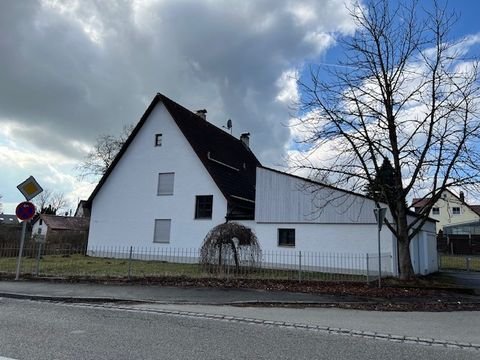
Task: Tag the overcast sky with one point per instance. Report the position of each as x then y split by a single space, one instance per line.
72 70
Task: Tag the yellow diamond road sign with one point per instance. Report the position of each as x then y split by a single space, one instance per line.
30 188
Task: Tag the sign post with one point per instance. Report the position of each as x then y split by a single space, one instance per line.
380 217
25 211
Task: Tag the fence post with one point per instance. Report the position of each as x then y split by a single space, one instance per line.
468 259
368 270
299 266
130 263
39 254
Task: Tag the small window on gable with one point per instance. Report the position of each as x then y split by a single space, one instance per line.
456 210
161 232
40 222
286 237
158 139
203 206
435 211
165 183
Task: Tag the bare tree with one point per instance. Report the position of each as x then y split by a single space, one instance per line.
50 202
405 92
106 148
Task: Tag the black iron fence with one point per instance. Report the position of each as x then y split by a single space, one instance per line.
141 262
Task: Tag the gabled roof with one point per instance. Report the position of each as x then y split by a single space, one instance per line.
421 202
229 162
82 209
55 222
475 208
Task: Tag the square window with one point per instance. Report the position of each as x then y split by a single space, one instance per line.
161 233
455 210
165 183
203 206
286 237
435 211
158 139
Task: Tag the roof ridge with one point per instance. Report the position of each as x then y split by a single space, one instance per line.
208 123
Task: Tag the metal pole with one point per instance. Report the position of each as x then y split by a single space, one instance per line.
39 254
299 266
130 263
379 261
20 252
368 271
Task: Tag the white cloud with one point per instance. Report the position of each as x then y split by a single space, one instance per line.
72 70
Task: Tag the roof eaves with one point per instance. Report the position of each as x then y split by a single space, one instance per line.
124 147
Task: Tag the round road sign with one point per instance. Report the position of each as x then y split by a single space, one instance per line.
25 210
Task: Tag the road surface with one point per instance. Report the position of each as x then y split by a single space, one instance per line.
42 330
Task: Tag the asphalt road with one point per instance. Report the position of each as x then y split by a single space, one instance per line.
36 330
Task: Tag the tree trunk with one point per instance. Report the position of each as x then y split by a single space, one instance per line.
404 259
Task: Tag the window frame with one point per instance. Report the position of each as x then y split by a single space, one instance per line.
163 241
198 215
158 140
435 211
158 184
287 237
456 208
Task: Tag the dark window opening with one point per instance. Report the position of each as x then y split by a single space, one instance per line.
286 237
435 211
203 206
158 140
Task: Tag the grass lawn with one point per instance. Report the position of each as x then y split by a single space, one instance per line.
459 262
89 266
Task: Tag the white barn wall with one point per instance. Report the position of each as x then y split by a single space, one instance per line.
423 249
125 208
325 220
281 198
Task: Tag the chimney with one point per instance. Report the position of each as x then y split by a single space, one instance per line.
202 113
462 196
245 139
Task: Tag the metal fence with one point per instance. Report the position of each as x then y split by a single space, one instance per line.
458 262
142 262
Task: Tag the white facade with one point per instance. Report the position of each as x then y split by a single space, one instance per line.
329 220
324 220
125 208
450 210
39 227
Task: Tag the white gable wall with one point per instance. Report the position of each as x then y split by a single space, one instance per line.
38 229
125 208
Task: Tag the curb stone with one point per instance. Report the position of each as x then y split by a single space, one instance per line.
279 324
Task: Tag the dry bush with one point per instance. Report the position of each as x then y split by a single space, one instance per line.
230 244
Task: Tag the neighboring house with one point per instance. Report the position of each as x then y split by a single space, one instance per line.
450 209
6 219
82 209
177 176
61 230
10 230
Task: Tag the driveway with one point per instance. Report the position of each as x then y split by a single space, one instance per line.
469 279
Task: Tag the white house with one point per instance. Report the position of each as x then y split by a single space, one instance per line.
177 176
450 209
